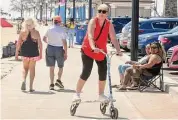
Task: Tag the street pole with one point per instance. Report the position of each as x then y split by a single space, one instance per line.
46 14
134 38
90 9
41 12
21 10
65 11
74 10
34 11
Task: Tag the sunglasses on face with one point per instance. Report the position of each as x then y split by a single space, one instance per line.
102 11
154 47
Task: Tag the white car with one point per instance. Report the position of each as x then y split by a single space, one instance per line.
126 34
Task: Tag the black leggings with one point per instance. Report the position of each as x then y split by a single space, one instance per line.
88 65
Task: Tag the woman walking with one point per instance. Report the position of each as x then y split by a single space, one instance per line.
71 31
30 46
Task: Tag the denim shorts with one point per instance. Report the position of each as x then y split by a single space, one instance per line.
53 54
122 68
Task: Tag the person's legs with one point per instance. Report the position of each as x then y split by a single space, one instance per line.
87 68
72 40
69 39
60 73
25 73
102 71
123 68
127 77
32 73
121 74
59 56
51 71
50 62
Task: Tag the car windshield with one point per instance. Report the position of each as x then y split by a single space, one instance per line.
174 30
128 25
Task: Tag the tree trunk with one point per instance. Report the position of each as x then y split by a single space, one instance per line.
170 9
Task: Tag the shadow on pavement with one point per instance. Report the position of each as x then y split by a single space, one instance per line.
173 73
107 117
20 60
65 90
146 91
168 85
40 92
170 69
87 117
120 118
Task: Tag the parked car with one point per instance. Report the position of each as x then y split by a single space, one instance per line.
148 26
169 40
145 39
172 57
119 23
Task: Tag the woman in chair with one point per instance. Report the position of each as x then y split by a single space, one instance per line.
129 64
151 67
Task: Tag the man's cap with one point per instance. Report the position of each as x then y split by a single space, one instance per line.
57 18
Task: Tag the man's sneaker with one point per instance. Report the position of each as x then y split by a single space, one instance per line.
23 87
76 98
59 84
51 87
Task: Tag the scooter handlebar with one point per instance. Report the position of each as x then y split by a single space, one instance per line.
110 53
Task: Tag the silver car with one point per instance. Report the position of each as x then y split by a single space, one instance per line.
126 35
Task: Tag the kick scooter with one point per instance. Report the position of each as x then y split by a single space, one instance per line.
113 111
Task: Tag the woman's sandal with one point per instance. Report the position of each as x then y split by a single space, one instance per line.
121 89
31 90
132 88
115 86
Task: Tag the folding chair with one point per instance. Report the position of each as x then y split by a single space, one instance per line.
148 81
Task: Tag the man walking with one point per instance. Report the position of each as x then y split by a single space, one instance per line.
56 50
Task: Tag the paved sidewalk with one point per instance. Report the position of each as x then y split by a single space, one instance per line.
45 104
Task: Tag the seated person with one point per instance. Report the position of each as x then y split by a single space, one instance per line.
151 67
128 64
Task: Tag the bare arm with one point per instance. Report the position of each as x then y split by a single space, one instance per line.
152 61
18 46
40 43
45 37
91 28
65 45
112 35
65 48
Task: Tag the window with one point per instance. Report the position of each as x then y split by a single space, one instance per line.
161 25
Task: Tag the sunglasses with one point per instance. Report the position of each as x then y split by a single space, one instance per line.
154 47
102 11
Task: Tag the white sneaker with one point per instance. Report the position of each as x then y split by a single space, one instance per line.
76 98
103 98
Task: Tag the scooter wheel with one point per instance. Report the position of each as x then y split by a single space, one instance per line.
103 108
114 113
73 110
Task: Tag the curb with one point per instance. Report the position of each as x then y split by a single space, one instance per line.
171 87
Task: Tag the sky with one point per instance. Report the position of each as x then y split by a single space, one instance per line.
5 5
